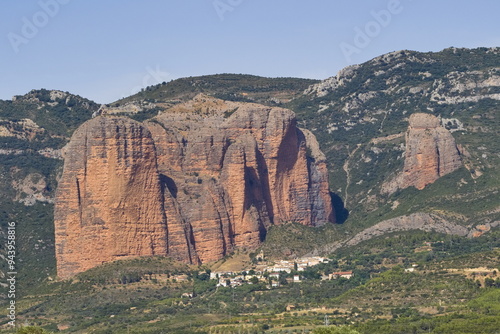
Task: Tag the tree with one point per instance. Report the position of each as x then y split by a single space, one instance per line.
204 277
489 282
254 280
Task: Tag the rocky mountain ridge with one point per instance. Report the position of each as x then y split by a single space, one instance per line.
361 115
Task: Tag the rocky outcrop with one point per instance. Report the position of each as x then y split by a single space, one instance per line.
207 176
431 152
109 199
24 129
328 85
427 222
418 221
31 189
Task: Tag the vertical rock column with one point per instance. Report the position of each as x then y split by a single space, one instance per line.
431 152
109 203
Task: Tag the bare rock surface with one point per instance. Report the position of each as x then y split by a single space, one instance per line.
194 183
431 152
109 200
422 221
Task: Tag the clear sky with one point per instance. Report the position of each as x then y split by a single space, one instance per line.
108 49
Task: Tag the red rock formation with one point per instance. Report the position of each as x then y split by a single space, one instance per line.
431 152
220 172
109 201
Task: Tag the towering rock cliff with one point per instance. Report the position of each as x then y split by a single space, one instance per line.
109 200
431 152
195 182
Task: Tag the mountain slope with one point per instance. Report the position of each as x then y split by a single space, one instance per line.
229 87
360 118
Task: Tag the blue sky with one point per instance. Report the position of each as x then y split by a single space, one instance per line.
108 49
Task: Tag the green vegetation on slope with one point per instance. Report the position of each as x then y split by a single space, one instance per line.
232 87
150 295
354 113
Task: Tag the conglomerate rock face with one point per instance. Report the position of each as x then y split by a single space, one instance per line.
194 183
109 200
431 152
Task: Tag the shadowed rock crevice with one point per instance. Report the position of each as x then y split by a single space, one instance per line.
341 212
168 183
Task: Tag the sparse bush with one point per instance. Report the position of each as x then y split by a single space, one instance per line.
32 330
